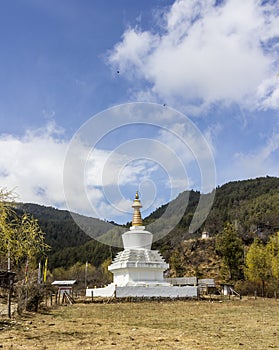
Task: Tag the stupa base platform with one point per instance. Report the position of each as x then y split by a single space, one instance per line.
144 292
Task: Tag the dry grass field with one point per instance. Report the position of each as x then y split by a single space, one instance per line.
187 325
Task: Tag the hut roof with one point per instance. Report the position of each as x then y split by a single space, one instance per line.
64 283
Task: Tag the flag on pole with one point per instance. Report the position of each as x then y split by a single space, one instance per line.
85 275
45 271
39 273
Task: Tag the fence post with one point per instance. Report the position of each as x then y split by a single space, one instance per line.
9 299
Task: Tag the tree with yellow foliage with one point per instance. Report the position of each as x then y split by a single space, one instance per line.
273 252
21 237
258 263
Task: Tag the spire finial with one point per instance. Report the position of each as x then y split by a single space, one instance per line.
137 220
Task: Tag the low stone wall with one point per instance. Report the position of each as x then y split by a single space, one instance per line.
163 292
143 292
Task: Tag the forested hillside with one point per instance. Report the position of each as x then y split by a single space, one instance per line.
251 205
69 244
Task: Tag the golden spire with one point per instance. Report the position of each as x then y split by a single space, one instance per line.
137 220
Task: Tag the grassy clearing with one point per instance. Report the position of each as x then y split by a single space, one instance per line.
187 325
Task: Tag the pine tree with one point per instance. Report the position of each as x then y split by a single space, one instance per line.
230 247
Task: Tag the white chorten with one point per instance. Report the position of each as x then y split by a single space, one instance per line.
137 264
137 270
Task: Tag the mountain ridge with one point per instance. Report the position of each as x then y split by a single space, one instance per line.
252 205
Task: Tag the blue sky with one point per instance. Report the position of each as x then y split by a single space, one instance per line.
64 62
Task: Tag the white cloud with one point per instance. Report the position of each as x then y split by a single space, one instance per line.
261 162
32 165
205 54
132 50
148 165
268 93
